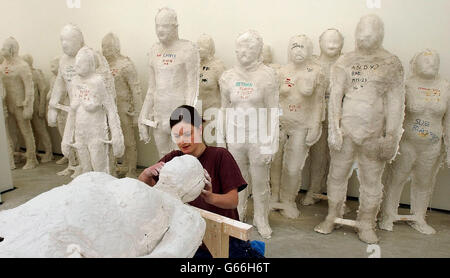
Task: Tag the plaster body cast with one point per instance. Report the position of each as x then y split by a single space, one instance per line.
365 124
331 43
19 90
38 122
6 116
427 122
97 215
247 89
129 100
173 81
302 88
93 118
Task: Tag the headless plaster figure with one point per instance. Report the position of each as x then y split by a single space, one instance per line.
247 88
129 100
302 89
97 215
173 80
211 68
38 122
19 88
427 122
365 125
267 58
331 42
6 115
93 123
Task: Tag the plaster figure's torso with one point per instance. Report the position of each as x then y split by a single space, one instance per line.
13 84
120 68
37 75
169 65
426 105
298 108
367 80
209 92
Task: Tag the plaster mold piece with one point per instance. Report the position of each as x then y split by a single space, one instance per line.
129 99
173 80
93 123
268 59
97 215
302 89
427 126
366 111
247 88
331 42
38 122
19 87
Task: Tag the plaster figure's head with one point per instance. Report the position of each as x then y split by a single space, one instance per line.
369 33
300 49
71 40
426 64
187 129
110 46
166 24
182 177
54 65
206 47
10 48
331 42
85 62
29 59
267 54
249 47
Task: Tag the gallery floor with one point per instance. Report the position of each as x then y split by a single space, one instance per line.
291 238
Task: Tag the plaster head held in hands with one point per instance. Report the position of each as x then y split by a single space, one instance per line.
71 40
166 25
183 177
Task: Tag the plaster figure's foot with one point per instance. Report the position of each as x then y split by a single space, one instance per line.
309 199
47 158
290 210
13 166
63 160
77 171
368 236
422 227
386 223
65 172
263 228
31 164
326 227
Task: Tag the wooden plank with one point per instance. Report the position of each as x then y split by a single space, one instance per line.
215 239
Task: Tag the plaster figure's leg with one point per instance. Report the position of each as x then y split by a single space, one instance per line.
40 129
240 154
61 121
340 171
275 169
130 156
10 144
27 134
163 141
397 176
85 159
320 162
295 153
370 196
422 187
260 175
99 153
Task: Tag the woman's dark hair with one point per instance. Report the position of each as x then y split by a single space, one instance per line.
187 114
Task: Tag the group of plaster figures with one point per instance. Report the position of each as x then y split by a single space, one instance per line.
341 108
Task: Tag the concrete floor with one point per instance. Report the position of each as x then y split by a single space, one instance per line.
291 238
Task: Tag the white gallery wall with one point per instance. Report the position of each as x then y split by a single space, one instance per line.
410 26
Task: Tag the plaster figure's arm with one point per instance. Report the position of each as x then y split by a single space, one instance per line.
27 79
192 69
42 87
222 114
447 129
131 78
338 81
58 90
118 145
272 101
315 131
147 108
3 96
394 112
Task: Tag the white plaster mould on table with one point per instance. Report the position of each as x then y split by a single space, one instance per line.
97 215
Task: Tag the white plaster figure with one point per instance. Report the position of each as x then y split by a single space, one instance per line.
331 42
173 80
93 123
128 94
38 122
427 126
19 88
268 59
246 89
366 111
302 88
97 215
6 115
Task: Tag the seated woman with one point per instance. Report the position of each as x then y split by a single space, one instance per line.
221 171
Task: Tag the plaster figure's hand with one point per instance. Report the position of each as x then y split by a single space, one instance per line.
335 139
313 135
144 132
207 193
388 147
51 116
118 147
153 171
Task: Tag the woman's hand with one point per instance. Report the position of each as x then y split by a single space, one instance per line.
207 193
